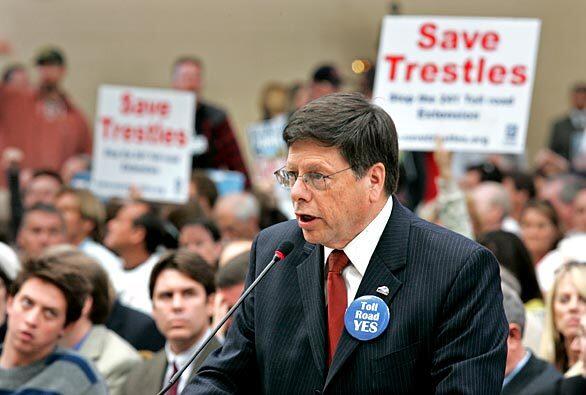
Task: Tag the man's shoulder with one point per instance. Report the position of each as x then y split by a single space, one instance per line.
81 374
115 349
154 366
71 360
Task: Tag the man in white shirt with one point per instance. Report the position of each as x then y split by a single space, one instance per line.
182 290
135 234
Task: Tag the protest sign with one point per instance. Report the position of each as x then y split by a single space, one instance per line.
143 139
268 148
466 80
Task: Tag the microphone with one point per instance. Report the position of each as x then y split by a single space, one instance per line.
280 253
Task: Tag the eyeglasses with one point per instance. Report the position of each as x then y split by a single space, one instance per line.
316 181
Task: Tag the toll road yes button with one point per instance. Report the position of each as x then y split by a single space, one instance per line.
367 317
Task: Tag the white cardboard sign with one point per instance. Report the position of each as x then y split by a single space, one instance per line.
466 80
143 139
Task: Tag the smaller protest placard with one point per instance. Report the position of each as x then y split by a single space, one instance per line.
143 140
267 147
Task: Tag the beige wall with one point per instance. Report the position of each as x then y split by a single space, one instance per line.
246 43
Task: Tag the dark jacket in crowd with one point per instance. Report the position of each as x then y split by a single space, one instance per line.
135 327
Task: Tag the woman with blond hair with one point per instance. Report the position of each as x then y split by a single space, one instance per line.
566 304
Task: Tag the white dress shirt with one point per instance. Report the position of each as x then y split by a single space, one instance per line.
360 250
180 360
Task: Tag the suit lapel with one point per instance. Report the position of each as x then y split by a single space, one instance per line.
389 256
309 275
155 376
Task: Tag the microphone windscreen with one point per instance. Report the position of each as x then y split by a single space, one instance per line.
285 248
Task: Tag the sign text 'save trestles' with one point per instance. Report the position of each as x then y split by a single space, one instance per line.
143 140
467 80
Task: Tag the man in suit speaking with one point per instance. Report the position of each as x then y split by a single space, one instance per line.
372 299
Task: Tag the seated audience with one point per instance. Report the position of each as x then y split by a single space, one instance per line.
237 216
521 189
84 217
566 304
492 206
45 299
182 289
112 356
74 166
42 226
540 229
135 327
524 373
561 190
510 251
233 249
135 234
569 249
203 190
202 237
579 211
230 280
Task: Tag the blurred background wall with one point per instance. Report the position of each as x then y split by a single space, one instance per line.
245 44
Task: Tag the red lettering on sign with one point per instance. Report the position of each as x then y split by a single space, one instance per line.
454 39
137 106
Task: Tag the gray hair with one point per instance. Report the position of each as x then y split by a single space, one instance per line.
496 195
513 306
243 205
363 132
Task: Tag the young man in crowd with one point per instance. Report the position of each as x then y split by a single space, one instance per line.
46 298
182 290
42 226
112 356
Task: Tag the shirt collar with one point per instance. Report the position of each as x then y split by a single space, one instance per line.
182 358
517 368
360 249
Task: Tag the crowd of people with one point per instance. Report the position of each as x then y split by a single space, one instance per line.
116 294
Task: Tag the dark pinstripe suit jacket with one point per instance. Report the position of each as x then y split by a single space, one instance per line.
447 332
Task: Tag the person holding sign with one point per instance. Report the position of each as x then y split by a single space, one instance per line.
371 299
211 122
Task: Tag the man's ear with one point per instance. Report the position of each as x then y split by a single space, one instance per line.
9 304
211 298
515 332
376 176
88 305
137 234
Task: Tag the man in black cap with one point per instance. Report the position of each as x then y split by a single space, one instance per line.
326 80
